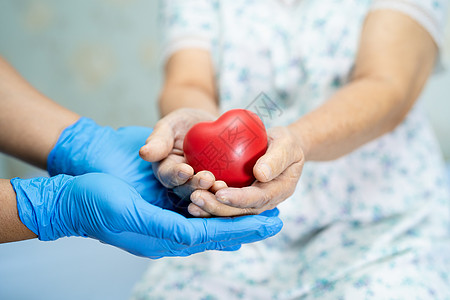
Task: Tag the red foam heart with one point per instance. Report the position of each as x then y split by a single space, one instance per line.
228 147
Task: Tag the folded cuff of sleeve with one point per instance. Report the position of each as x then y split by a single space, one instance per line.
188 42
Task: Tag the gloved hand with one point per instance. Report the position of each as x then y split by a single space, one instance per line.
106 208
86 147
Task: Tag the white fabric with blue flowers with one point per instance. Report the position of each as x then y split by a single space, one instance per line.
371 225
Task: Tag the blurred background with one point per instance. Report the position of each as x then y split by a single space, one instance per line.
100 59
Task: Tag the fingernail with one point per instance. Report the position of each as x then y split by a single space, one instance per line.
184 175
223 198
143 150
198 201
265 169
204 183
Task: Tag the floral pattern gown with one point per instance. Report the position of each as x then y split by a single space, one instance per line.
370 225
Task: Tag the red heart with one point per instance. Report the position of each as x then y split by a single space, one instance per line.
228 147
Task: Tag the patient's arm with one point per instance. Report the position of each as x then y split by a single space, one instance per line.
189 83
188 97
396 56
30 123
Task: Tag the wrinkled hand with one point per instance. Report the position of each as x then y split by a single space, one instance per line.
106 208
277 173
164 148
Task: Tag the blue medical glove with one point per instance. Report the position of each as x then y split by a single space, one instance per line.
106 208
86 147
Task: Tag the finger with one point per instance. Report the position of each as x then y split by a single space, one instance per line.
231 248
189 250
252 196
168 225
280 155
239 230
169 133
198 212
150 247
172 171
208 203
218 185
211 246
159 144
263 194
203 180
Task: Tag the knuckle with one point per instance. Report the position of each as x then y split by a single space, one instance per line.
215 209
246 199
211 207
291 192
158 126
296 171
264 199
199 194
249 211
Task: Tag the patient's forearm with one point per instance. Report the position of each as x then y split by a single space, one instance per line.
357 114
189 83
395 58
30 123
11 228
175 97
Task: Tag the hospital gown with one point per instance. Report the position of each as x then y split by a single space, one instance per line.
370 225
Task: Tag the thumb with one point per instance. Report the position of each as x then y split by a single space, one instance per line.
280 154
159 144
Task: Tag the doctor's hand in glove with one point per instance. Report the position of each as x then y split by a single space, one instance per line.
120 208
85 147
39 131
106 208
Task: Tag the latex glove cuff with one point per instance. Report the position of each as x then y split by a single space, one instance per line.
37 204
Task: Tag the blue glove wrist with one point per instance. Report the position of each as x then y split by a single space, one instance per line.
71 154
86 147
38 203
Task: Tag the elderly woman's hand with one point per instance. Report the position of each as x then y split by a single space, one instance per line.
277 173
164 148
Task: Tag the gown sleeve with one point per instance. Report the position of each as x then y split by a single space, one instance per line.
430 14
187 24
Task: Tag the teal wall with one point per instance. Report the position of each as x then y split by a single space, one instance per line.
100 59
96 57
